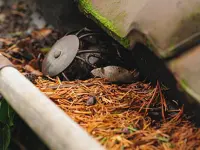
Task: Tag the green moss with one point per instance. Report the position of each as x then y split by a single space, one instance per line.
87 7
125 42
184 84
107 25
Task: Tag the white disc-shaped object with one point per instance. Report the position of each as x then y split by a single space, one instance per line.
61 55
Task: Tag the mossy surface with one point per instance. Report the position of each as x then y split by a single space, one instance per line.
107 25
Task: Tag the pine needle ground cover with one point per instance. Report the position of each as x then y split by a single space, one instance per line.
117 116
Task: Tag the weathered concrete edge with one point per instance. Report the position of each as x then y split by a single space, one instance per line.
86 7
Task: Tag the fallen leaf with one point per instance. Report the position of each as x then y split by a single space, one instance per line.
30 69
41 34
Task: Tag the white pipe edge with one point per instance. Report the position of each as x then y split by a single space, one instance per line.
49 122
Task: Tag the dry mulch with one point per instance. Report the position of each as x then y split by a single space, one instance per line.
118 117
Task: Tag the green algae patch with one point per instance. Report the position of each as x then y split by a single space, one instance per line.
86 7
184 84
125 42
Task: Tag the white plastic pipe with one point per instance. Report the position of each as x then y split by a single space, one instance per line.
50 123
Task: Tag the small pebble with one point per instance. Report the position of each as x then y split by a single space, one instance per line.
139 86
156 125
125 131
31 77
91 101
